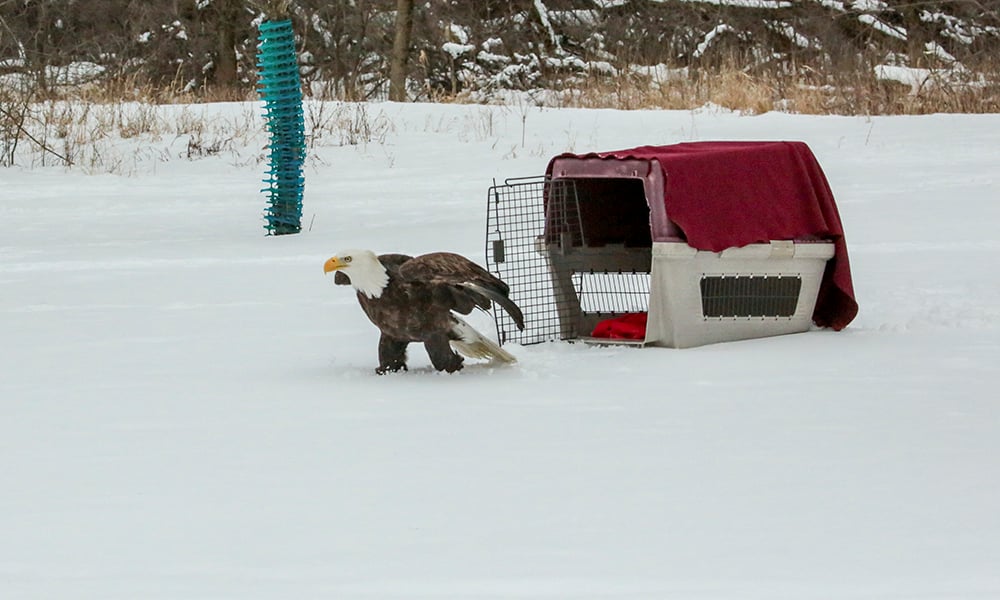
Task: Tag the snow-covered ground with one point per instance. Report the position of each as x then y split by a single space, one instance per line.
189 409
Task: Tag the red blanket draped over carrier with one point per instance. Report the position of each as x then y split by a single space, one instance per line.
730 194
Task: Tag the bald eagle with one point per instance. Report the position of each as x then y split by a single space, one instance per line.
414 299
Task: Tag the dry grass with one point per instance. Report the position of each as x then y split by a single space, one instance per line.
86 128
853 92
96 131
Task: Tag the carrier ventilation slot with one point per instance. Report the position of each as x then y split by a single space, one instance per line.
612 293
749 295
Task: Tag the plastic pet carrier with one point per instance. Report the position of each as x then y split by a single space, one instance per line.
675 246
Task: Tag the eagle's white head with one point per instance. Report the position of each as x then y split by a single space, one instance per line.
363 268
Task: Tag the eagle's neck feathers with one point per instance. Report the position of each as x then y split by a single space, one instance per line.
369 275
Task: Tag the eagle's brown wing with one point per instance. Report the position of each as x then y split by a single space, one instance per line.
393 260
467 284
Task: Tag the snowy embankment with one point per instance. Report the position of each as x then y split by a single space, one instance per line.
189 408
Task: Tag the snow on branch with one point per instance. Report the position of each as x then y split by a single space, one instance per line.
543 16
883 27
706 42
768 4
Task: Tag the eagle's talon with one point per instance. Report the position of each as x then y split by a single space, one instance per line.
390 369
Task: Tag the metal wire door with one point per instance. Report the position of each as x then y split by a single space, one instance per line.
515 243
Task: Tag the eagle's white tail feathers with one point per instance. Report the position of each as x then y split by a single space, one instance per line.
475 345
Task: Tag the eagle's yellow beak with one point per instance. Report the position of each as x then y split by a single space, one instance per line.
333 264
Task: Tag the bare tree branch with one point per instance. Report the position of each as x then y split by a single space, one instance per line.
18 122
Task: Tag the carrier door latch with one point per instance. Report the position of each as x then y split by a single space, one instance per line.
499 254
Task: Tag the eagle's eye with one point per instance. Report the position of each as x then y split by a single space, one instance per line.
347 259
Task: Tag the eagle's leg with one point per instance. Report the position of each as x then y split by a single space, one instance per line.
442 356
391 355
